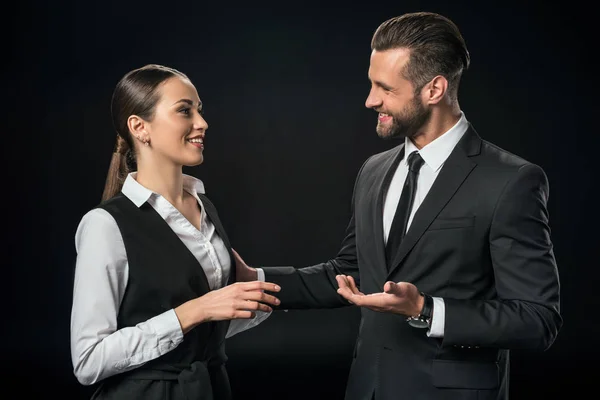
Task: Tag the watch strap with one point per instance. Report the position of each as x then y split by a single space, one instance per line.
423 320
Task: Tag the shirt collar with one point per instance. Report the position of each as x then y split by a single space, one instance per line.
435 153
139 194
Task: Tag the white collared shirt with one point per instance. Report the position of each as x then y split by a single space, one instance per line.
434 154
98 349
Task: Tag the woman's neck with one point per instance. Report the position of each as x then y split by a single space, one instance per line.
164 180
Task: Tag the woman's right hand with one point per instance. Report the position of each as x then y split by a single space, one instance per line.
239 300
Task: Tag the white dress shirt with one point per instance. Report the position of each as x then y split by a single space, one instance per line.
98 349
434 154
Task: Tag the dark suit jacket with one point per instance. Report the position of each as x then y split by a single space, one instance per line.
481 241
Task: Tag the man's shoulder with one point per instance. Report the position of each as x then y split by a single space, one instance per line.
500 164
383 156
494 155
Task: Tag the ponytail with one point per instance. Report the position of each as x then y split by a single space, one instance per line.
118 169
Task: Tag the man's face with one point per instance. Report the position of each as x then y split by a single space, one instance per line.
401 113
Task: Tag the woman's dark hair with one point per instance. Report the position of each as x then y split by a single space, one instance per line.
135 94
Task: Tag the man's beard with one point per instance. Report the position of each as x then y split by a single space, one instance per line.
408 123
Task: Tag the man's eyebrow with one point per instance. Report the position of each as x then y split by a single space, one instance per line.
380 84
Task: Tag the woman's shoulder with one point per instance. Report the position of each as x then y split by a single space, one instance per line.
97 220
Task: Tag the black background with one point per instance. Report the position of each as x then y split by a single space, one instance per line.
284 90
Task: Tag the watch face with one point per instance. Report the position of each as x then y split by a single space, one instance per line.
418 323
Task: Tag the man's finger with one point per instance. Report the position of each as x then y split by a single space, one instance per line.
392 288
346 293
352 284
342 281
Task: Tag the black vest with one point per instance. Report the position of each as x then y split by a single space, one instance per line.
163 274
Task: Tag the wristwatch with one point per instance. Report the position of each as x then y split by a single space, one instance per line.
424 318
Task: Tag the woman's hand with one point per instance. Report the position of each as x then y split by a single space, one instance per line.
236 301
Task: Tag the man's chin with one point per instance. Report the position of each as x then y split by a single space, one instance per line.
389 135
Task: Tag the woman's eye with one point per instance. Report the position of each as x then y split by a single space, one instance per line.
185 111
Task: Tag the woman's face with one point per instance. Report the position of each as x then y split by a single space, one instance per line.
177 130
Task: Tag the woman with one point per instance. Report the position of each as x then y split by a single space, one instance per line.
155 294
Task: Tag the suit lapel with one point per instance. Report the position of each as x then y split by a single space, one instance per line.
211 212
386 170
454 171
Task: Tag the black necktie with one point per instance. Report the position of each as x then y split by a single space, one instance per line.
398 228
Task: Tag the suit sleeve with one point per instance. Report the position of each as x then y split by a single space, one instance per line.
525 314
315 286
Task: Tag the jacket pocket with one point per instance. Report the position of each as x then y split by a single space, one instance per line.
450 223
465 375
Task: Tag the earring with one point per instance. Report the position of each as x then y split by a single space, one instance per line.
145 141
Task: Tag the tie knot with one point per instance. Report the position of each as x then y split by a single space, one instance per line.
415 161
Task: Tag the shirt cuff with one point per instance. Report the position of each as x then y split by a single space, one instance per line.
167 328
239 325
438 319
261 274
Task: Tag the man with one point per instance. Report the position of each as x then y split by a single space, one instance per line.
448 233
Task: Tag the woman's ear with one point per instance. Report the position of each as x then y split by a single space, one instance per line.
137 127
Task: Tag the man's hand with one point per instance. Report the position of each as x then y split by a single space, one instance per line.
243 272
399 298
